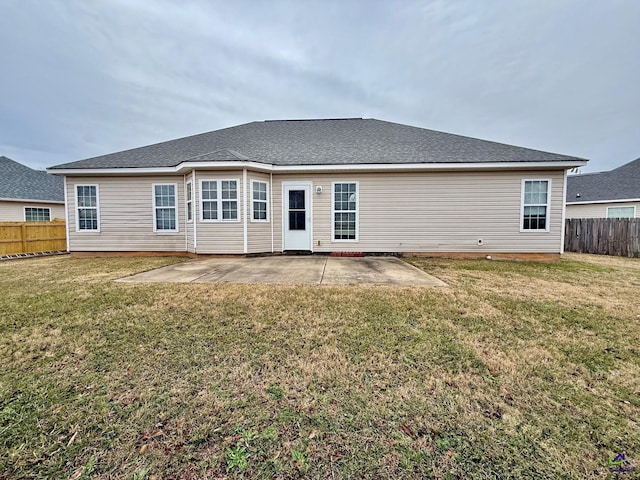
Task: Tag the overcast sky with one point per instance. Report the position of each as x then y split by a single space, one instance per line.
85 78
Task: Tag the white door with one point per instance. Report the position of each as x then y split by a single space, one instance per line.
296 213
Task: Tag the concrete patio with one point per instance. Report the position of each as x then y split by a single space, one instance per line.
305 270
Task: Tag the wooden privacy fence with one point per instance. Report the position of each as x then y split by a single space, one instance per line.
604 236
31 237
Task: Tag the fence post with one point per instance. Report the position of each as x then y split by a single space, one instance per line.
23 236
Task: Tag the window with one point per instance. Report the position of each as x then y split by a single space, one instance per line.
259 201
229 200
621 212
87 218
535 205
219 200
345 211
209 192
37 214
164 208
189 203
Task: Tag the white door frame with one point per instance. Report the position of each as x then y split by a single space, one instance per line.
308 188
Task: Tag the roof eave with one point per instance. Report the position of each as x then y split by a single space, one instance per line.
31 200
188 166
617 200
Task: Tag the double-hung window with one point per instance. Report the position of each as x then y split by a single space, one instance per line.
219 200
37 214
87 215
259 201
189 202
165 211
535 205
345 211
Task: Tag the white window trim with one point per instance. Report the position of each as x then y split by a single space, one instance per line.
155 207
623 206
219 200
266 202
333 212
188 187
522 205
43 208
97 207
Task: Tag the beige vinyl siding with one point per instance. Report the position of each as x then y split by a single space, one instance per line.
431 212
14 211
259 233
126 215
598 210
223 237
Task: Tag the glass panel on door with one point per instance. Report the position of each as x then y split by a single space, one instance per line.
297 212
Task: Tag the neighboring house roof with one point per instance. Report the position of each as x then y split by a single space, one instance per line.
622 183
20 182
327 142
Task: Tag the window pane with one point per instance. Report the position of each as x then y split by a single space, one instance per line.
620 212
259 210
209 210
37 214
345 226
209 190
229 209
165 219
296 199
165 195
229 190
86 196
87 219
188 192
534 218
297 220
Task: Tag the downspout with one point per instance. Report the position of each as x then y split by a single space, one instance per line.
564 212
244 210
66 212
194 186
271 207
186 214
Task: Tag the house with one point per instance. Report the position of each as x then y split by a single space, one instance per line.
612 194
29 195
334 185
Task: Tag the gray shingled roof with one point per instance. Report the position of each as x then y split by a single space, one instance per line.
320 142
618 184
21 182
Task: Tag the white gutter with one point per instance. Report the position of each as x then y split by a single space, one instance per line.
29 200
369 167
620 200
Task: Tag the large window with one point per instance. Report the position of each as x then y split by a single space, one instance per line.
535 205
87 215
165 211
621 212
259 201
345 211
219 200
37 214
189 202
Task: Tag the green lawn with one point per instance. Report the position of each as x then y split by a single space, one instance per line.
516 370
